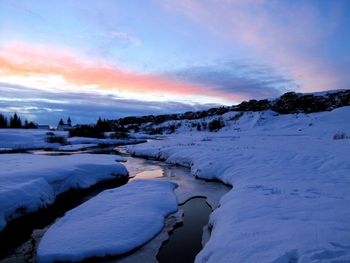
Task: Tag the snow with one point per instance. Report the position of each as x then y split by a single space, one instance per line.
25 139
112 223
290 198
32 181
22 139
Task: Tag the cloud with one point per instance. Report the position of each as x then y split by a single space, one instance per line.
48 63
48 107
243 79
290 37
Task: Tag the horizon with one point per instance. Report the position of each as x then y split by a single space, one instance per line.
112 59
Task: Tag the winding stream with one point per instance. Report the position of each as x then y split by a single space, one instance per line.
186 240
197 198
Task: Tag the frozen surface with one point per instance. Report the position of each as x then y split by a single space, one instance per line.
290 198
112 223
31 181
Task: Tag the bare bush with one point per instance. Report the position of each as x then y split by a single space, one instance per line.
340 136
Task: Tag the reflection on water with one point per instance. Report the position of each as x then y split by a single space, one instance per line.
150 174
185 242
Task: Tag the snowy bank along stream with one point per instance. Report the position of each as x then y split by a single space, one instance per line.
187 226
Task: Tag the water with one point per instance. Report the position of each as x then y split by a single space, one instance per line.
150 174
20 229
186 241
18 243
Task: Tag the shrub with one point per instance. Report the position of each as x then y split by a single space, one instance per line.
119 135
340 136
237 116
171 128
56 139
155 131
86 131
216 125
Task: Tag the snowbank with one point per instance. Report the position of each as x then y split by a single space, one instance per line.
290 198
29 182
112 223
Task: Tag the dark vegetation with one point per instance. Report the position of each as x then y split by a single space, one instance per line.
340 136
20 229
15 122
86 131
216 125
97 130
288 103
52 138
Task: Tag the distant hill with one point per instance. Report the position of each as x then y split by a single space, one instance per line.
288 103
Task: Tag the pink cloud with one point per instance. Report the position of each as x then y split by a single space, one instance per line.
24 59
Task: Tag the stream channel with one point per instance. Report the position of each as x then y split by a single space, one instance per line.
183 236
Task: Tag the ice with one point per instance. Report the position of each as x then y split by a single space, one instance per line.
112 223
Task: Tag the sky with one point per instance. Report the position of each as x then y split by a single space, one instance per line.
115 58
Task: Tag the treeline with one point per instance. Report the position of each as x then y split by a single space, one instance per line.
15 122
97 130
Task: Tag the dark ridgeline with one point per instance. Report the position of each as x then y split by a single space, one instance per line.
288 103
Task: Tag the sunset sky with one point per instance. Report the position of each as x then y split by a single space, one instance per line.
114 58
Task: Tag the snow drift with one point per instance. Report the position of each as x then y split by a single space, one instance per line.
29 182
290 176
112 223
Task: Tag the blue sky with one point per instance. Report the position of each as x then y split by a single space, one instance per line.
165 56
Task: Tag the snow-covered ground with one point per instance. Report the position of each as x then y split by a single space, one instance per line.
21 139
291 184
31 181
112 223
25 139
131 204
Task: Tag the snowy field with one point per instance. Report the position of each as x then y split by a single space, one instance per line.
25 139
291 184
112 223
21 139
31 181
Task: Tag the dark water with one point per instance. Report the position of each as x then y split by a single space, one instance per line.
20 229
185 242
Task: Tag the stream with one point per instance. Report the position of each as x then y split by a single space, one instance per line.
180 240
186 240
